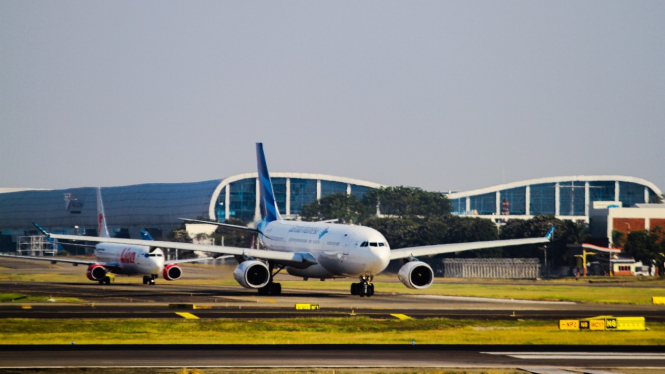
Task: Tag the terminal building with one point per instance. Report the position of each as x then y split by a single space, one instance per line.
159 207
570 198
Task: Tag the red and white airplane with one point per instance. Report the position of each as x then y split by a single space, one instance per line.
111 258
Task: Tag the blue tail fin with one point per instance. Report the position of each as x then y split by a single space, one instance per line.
267 202
146 235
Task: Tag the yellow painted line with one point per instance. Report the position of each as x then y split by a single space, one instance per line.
26 307
403 317
187 315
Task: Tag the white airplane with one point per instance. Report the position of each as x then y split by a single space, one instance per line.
112 258
318 249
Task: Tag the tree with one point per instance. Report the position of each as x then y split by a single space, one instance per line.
565 232
179 235
340 206
233 237
647 246
408 201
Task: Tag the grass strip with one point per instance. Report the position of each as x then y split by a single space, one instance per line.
21 298
359 330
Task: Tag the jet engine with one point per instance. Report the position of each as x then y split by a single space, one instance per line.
416 274
96 272
252 274
172 272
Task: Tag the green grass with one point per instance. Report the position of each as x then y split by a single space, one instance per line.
358 330
21 298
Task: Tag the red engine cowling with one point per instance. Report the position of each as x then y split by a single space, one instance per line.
172 272
96 272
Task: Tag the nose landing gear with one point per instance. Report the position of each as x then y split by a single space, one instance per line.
365 287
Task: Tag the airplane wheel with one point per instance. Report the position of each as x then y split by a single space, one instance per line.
145 280
106 280
354 288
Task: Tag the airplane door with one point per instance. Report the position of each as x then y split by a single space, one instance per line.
348 243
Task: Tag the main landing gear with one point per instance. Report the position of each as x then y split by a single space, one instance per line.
364 287
272 288
149 279
105 280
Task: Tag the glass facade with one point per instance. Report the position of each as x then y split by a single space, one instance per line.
279 187
358 191
220 208
484 204
242 199
459 205
542 199
513 201
571 199
601 191
303 192
330 187
631 194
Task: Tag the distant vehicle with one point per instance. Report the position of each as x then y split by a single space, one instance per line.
129 259
321 250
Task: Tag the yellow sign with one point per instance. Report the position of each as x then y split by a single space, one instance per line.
569 324
659 300
307 307
604 323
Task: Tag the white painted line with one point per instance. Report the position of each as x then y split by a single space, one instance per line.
489 300
576 353
565 357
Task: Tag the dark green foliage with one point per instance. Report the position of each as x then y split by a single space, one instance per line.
233 237
408 201
647 246
346 208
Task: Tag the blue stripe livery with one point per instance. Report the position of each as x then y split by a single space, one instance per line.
267 202
550 233
145 235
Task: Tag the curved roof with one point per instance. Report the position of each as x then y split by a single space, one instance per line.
573 178
225 182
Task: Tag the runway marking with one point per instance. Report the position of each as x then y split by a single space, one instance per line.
403 317
187 315
491 300
580 355
547 371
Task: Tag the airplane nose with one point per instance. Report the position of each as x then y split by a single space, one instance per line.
382 258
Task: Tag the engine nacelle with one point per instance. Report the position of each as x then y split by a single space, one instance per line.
252 274
172 272
416 274
96 272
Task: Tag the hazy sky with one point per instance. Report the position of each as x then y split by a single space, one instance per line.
440 95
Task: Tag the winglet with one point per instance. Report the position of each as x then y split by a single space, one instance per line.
146 235
42 230
550 233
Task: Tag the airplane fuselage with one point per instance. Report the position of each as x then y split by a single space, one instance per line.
131 259
341 250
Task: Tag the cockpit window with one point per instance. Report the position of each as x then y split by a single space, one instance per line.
364 244
373 244
382 244
146 255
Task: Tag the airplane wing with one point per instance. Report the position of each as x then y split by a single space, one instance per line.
198 259
459 247
235 227
56 259
295 259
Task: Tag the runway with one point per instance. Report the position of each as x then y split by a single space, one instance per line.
321 356
134 300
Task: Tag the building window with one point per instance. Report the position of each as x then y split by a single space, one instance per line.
330 187
571 199
601 191
303 192
220 208
459 205
242 199
542 199
279 187
513 201
484 204
631 194
359 191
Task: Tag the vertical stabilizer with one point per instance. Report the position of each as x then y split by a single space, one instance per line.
102 230
267 202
